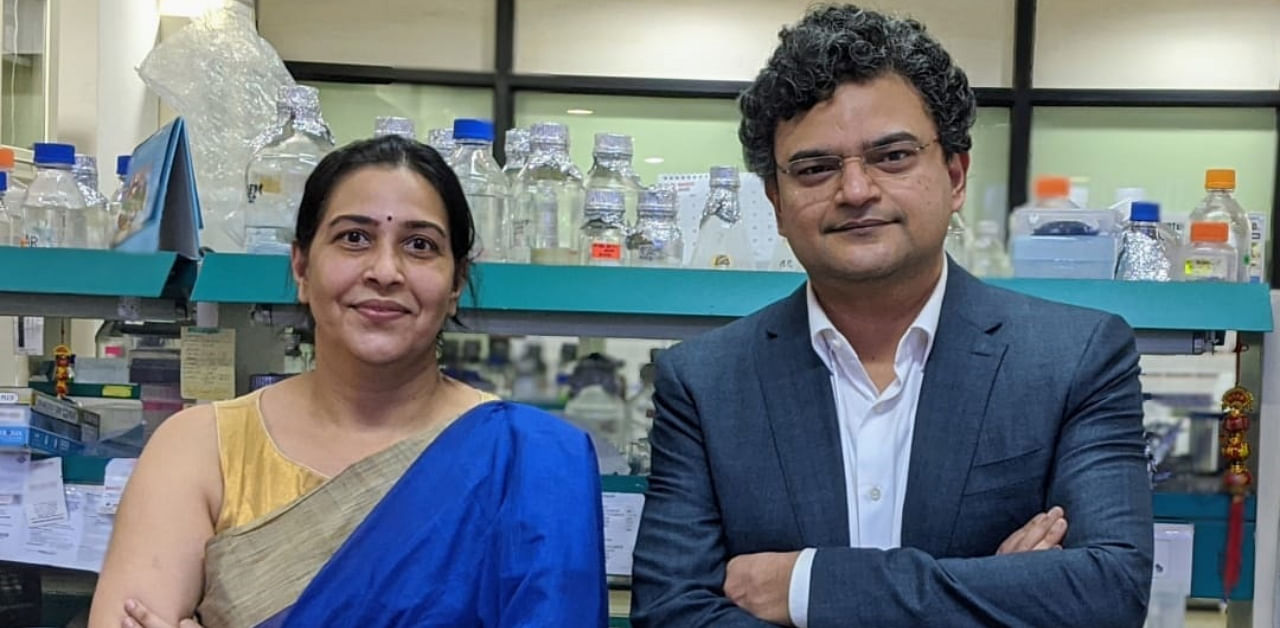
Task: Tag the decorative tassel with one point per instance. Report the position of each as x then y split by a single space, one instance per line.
1237 403
1235 540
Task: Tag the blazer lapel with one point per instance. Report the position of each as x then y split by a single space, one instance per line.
957 384
802 415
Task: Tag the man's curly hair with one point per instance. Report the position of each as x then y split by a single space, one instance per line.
837 44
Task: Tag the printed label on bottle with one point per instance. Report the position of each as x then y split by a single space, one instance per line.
606 251
264 185
1203 269
721 261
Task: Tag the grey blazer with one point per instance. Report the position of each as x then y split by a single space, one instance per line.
1026 404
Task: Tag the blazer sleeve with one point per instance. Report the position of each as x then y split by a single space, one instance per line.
680 557
1101 578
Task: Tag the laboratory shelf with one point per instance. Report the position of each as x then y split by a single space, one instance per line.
677 303
82 283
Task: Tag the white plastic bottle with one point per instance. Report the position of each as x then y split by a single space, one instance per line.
53 210
1220 205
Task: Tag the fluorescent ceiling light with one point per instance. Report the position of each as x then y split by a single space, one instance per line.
653 160
187 8
579 112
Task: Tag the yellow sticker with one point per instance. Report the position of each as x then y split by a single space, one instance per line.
119 392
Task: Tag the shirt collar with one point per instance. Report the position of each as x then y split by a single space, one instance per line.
925 325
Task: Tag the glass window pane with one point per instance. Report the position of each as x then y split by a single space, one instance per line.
687 135
728 39
1164 151
351 108
988 186
435 34
1174 44
22 73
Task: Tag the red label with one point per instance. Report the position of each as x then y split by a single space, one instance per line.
604 250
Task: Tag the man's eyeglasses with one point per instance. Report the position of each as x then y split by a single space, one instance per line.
879 162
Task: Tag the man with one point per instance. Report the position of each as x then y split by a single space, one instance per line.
896 443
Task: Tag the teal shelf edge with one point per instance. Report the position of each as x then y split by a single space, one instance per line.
624 483
619 622
93 273
265 279
1208 513
242 278
1195 306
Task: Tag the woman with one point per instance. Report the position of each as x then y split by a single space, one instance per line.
373 491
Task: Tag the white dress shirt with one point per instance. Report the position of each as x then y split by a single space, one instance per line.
875 433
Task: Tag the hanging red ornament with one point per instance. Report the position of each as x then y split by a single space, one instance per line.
1237 403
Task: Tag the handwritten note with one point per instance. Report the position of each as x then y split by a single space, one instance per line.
208 363
621 524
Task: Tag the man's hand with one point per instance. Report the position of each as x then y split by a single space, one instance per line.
1045 531
761 584
140 616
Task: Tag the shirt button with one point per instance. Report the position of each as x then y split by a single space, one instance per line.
874 494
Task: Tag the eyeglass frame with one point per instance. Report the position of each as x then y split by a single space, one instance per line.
916 148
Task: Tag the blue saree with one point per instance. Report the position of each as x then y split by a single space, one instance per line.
496 523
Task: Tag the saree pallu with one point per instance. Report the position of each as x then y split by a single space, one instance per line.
495 521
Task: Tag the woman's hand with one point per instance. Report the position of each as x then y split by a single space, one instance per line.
140 617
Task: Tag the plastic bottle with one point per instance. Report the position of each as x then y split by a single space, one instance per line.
483 184
1210 257
530 382
656 239
17 191
640 413
10 225
1124 200
115 206
95 204
987 257
1148 250
603 234
612 169
53 209
1220 205
549 200
394 125
783 258
957 241
442 140
516 149
596 405
278 170
722 236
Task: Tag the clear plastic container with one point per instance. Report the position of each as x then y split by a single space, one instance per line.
278 170
549 199
442 140
95 204
1149 251
1210 257
394 125
603 232
640 413
957 241
612 170
722 236
656 239
987 257
17 191
1053 238
115 205
783 258
483 184
10 225
1220 205
53 213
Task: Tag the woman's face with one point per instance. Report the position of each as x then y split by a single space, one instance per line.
380 276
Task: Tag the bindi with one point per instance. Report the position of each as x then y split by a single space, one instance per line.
388 218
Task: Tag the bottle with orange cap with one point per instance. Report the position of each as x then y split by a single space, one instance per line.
1052 237
1210 257
1220 205
17 192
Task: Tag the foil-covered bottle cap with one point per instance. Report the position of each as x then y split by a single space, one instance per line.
517 141
301 97
657 202
604 201
724 176
394 125
86 164
441 139
613 144
549 134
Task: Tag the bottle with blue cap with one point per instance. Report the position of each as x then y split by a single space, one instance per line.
10 226
115 206
1149 251
53 213
483 184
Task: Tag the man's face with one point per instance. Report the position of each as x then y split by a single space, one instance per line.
859 221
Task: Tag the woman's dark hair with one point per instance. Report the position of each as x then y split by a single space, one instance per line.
390 151
837 44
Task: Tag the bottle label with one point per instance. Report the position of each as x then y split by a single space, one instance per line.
606 251
721 261
1202 269
264 185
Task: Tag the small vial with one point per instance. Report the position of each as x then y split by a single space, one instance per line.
603 233
1210 257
